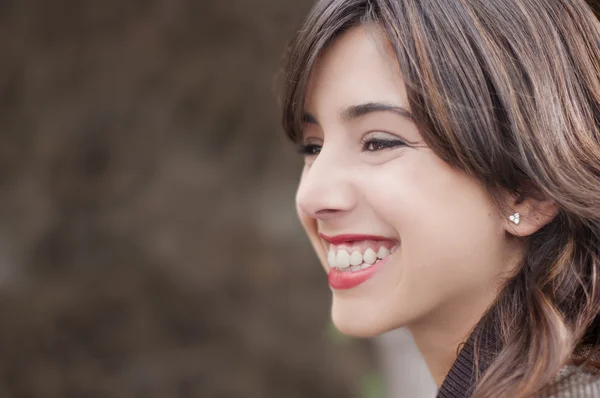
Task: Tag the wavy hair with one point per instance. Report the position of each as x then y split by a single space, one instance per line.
509 92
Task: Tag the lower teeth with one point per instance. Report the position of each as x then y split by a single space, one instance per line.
355 268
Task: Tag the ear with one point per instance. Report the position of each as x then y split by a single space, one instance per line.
529 215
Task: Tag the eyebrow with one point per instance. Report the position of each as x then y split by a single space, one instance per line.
356 111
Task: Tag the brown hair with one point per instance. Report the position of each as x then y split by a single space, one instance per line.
509 92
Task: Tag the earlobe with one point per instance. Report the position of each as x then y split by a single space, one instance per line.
529 216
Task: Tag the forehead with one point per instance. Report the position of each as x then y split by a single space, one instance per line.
358 67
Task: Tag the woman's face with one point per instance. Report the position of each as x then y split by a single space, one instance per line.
371 187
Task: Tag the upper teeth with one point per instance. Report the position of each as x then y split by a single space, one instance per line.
343 259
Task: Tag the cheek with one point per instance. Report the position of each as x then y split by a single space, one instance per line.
446 221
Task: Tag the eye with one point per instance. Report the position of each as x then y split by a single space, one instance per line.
378 144
309 149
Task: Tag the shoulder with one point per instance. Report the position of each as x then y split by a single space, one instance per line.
574 382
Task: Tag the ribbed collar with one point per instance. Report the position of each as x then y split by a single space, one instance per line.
461 380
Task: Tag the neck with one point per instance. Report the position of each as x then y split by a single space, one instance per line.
439 336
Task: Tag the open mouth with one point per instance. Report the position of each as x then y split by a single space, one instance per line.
342 277
353 259
357 258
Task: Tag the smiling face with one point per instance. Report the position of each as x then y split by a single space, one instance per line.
371 186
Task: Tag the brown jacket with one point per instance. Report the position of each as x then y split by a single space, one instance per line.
571 381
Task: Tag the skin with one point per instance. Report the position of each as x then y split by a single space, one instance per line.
455 246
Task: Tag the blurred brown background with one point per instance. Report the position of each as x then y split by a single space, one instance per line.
148 240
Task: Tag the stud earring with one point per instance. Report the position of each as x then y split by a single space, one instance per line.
515 218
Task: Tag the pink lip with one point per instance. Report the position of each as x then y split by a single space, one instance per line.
339 239
343 280
348 279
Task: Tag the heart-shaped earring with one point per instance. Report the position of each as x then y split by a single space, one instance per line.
515 218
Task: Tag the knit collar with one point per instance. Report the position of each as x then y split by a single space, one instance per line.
461 380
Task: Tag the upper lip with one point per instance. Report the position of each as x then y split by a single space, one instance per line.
339 239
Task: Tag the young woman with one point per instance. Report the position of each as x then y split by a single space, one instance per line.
452 182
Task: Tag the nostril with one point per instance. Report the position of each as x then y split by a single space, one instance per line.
325 214
327 211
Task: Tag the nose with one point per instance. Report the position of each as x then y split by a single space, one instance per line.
326 190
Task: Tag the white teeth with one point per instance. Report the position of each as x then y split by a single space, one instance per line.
331 258
356 261
342 259
356 258
383 252
370 256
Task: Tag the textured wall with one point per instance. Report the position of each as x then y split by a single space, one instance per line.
148 240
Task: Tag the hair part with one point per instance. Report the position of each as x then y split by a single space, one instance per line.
508 92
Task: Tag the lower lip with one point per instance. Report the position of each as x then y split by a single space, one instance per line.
344 280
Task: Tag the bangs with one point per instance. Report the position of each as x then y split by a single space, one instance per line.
327 21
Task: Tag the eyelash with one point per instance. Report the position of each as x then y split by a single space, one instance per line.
311 149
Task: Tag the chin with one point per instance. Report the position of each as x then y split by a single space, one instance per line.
356 323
